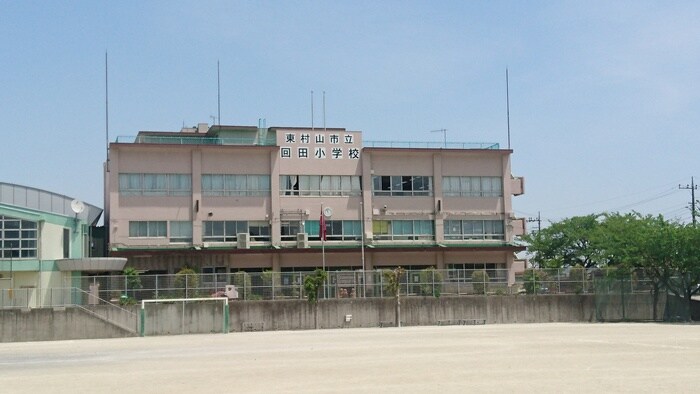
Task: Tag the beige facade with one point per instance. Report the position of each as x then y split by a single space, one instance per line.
246 198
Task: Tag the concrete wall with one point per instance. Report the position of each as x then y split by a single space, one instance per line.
207 317
52 325
298 314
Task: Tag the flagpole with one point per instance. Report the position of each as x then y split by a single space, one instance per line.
322 233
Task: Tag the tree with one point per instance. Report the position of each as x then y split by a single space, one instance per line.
566 243
665 252
188 281
431 282
480 281
393 280
313 284
133 282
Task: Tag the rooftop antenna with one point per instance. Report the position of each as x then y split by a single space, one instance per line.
324 110
106 115
312 110
77 207
508 107
444 135
218 91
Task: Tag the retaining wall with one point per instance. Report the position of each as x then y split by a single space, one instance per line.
54 324
207 317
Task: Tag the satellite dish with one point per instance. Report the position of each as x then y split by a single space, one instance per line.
77 206
327 212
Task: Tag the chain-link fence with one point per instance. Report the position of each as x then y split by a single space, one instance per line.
351 284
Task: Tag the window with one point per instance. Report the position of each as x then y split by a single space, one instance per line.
398 230
472 186
147 229
259 231
463 272
155 184
181 232
66 243
320 185
227 231
235 185
474 229
215 276
289 229
336 230
18 238
401 185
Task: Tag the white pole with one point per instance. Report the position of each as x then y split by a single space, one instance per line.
362 248
321 230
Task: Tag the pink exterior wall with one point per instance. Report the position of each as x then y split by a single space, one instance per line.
229 159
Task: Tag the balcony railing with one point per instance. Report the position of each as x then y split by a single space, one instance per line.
191 140
430 145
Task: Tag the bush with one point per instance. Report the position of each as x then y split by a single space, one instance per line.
430 282
534 281
576 278
187 283
480 281
242 281
272 280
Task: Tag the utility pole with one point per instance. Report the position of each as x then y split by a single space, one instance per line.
692 187
538 219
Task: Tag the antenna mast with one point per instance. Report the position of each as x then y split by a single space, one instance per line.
312 110
218 91
106 114
508 106
324 110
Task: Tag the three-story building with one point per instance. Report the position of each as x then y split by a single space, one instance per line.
221 199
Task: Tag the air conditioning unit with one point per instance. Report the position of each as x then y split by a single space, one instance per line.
302 240
243 240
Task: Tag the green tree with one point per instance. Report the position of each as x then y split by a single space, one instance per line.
431 282
534 280
273 281
313 284
566 243
480 281
393 286
133 282
243 282
187 283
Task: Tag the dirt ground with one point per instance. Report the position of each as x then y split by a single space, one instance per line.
537 358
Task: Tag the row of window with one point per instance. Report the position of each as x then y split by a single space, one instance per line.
307 185
155 184
336 230
472 186
235 185
320 185
18 238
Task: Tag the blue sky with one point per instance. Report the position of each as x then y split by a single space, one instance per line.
604 96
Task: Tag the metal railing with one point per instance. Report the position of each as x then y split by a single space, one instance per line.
351 284
69 297
195 140
430 145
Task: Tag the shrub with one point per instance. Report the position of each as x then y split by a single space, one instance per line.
576 278
534 281
272 280
187 283
242 281
480 281
430 282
